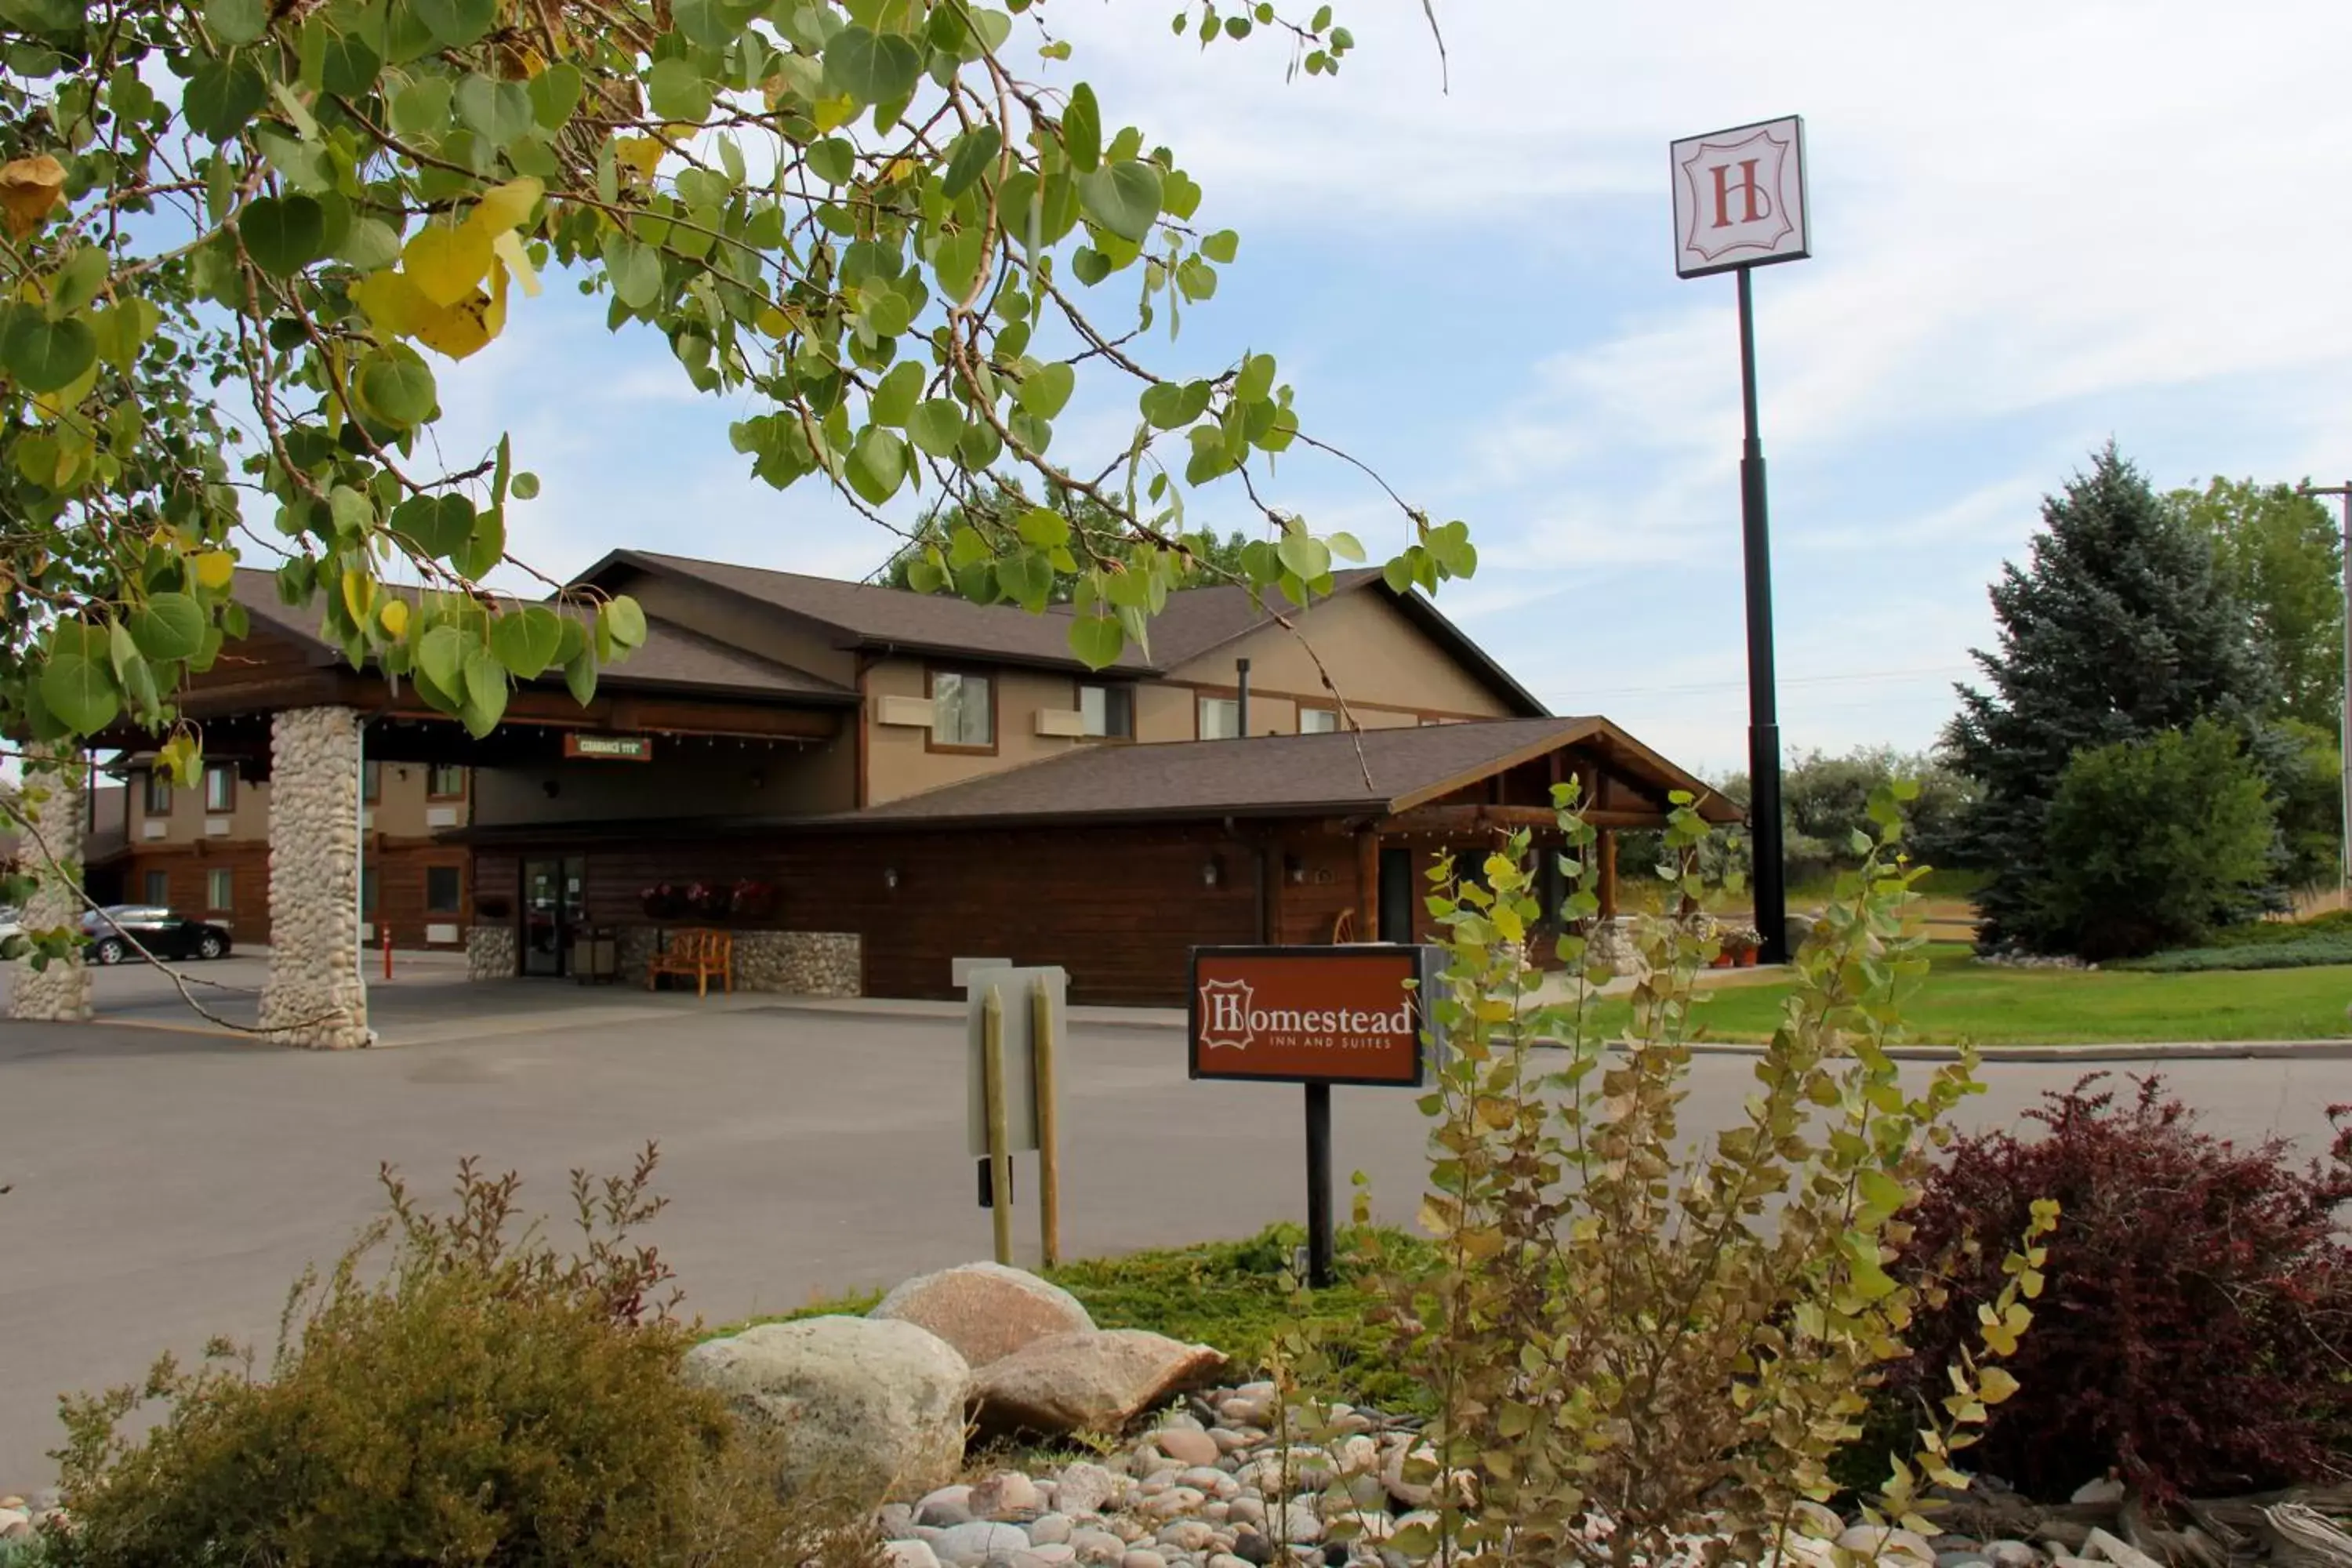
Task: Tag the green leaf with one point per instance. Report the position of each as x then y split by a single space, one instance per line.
436 526
168 626
441 657
580 677
1124 197
974 150
1044 390
525 486
677 91
526 641
1303 554
46 355
79 691
1082 129
397 387
623 621
349 65
122 331
282 234
833 160
936 427
635 271
222 98
454 23
498 111
1221 245
485 700
894 398
1045 528
1097 640
1346 546
234 23
485 548
1255 380
878 464
957 261
871 68
1090 265
78 281
555 94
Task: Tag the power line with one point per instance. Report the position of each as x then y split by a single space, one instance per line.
1943 672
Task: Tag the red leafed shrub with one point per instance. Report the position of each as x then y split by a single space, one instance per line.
2195 1335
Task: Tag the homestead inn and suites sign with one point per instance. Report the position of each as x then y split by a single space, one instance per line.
1333 1015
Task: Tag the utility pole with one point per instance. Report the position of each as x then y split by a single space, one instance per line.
2343 492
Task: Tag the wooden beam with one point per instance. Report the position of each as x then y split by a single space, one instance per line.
1367 885
1606 848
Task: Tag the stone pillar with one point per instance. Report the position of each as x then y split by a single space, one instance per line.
314 996
55 803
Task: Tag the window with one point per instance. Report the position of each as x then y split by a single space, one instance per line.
444 889
220 886
157 792
1319 720
367 891
1108 711
155 887
445 781
371 781
963 711
220 793
1220 718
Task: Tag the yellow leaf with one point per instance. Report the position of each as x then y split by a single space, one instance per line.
390 302
466 327
510 250
358 594
53 404
832 113
638 155
447 264
29 187
215 569
774 323
900 171
506 206
1437 1213
1994 1385
393 616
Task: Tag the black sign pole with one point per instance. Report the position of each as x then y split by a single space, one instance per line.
1319 1186
1763 705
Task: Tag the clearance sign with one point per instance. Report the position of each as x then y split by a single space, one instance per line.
1311 1015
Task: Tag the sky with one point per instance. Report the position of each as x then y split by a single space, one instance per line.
2036 228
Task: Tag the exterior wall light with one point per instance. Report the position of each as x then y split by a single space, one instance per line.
1209 872
890 878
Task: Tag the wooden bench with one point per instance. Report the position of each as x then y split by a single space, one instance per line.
704 955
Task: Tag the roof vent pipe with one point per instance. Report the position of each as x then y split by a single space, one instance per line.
1241 698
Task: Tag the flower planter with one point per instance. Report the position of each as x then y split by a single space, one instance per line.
1745 958
1721 961
662 901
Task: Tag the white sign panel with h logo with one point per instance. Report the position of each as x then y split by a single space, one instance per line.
1739 198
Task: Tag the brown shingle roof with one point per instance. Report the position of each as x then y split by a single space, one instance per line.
1304 775
673 658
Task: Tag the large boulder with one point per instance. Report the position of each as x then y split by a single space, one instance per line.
1095 1380
985 1309
872 1403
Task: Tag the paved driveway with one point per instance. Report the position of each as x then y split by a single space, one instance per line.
168 1185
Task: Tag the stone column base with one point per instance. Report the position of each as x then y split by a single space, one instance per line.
314 996
490 952
53 800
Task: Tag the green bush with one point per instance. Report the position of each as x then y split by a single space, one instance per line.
2308 953
2265 933
2152 844
486 1401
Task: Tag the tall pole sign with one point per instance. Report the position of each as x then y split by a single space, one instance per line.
1739 204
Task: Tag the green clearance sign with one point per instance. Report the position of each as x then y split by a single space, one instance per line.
610 748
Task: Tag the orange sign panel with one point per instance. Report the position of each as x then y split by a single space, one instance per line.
1311 1015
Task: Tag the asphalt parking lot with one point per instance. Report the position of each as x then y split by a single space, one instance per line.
167 1184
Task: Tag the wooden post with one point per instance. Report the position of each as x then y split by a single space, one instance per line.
1605 847
999 1162
1044 1044
1368 886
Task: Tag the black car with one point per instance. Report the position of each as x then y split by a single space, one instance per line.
112 932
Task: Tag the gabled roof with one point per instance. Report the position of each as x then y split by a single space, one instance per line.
1372 771
673 658
1196 621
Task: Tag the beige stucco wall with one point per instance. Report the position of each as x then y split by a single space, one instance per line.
769 633
403 809
684 778
899 761
1388 669
403 812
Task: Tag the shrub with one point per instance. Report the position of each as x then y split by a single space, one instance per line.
2196 1331
2309 952
1627 1338
487 1400
2152 844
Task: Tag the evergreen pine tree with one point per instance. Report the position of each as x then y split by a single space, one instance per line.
2117 629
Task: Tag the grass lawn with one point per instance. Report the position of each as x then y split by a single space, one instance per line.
1962 1001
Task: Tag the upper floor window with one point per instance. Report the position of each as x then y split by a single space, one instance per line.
1107 711
445 781
963 710
220 792
156 793
371 781
1319 720
1220 718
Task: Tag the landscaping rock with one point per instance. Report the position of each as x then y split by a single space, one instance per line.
1099 1546
1051 1530
857 1401
982 1541
1252 1547
1084 1488
985 1310
1096 1379
1008 1496
1186 1446
2011 1554
1879 1542
909 1554
946 1506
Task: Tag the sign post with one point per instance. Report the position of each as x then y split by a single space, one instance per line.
1741 204
1316 1016
1012 1106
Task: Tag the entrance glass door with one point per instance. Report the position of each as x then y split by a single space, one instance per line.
553 905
